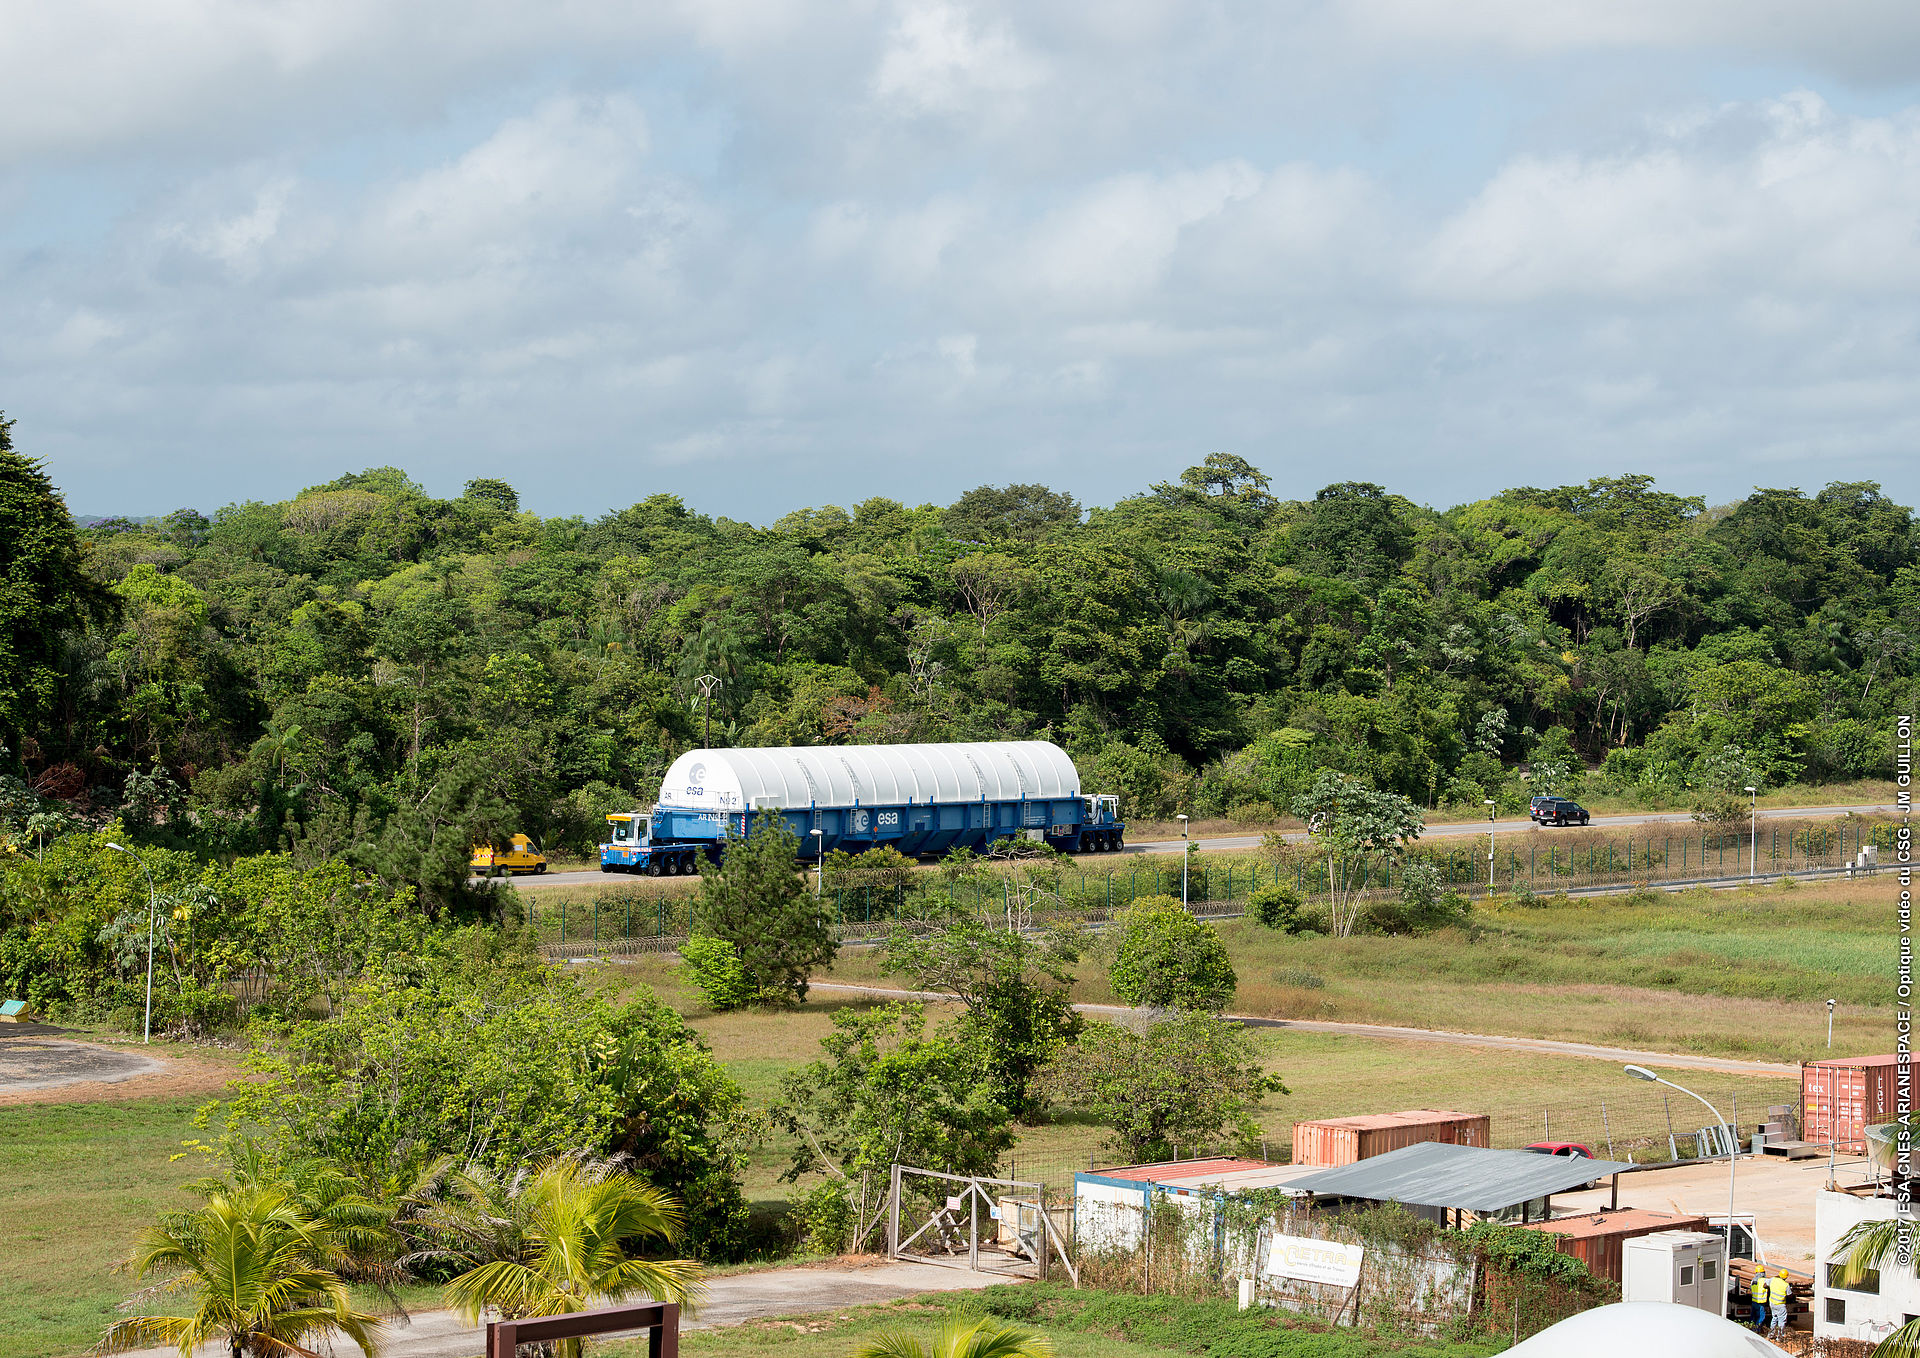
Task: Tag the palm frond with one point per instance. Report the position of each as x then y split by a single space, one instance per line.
141 1332
893 1344
1902 1343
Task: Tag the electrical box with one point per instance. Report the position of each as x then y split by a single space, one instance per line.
1686 1268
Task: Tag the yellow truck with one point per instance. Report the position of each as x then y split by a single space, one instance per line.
523 855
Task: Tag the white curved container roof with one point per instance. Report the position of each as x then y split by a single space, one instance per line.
800 776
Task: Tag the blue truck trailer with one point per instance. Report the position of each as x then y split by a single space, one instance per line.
920 799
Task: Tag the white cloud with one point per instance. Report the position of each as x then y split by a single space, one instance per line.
939 60
1803 199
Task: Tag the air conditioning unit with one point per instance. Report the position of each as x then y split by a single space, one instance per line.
1686 1268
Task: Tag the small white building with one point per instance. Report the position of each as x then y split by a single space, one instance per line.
1879 1303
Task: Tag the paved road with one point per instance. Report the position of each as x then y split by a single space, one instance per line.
1545 1046
730 1300
1477 827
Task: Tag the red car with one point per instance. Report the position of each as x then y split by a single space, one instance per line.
1573 1148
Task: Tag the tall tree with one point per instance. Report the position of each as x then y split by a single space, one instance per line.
756 901
44 590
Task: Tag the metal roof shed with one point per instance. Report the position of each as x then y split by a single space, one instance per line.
1465 1178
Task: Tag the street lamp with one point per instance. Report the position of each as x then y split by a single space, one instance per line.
1753 829
820 860
1829 1023
153 906
1733 1148
1489 802
1184 843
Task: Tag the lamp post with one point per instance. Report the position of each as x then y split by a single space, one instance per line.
1184 842
153 906
1753 831
1733 1147
708 683
1829 1023
1490 823
820 863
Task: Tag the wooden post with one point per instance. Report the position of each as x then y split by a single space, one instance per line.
893 1215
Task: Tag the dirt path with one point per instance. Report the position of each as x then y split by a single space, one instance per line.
731 1299
1544 1046
38 1066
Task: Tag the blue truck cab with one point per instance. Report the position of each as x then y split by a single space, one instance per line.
635 844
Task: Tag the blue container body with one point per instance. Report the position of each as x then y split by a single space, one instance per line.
1069 824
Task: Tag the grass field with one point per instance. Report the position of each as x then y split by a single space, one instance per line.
1078 1325
78 1182
1742 972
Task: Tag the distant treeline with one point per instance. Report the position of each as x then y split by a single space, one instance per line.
365 669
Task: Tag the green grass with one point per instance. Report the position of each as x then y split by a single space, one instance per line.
1085 1324
78 1182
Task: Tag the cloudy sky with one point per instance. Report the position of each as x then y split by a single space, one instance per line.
769 253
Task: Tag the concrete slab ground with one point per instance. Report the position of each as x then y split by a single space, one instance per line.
31 1063
1779 1193
731 1299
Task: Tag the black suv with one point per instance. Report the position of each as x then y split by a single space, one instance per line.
1557 811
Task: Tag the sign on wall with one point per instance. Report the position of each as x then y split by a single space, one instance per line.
1315 1261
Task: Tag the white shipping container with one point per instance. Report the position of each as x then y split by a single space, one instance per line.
1686 1268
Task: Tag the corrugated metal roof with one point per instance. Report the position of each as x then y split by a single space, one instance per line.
1434 1174
1180 1171
1412 1117
801 776
1597 1225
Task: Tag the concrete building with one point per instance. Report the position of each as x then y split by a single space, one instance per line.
1877 1305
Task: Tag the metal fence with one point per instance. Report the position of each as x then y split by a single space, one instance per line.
646 918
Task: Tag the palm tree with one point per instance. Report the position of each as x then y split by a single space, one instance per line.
553 1241
255 1264
961 1337
1867 1246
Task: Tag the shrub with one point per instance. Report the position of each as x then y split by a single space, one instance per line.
1424 904
1281 907
1167 959
713 967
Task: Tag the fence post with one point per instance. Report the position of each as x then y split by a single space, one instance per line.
596 919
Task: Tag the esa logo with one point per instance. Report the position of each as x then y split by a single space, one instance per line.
696 777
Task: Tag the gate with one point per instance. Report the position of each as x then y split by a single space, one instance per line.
970 1225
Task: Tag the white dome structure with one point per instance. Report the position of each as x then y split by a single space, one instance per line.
1651 1329
808 776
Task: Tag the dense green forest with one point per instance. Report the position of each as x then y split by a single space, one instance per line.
366 670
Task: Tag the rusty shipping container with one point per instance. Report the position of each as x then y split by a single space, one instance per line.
1342 1141
1841 1098
1595 1238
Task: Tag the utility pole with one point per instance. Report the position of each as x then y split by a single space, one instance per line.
153 907
708 683
820 862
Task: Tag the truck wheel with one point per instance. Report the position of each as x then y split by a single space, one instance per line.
608 867
539 869
653 867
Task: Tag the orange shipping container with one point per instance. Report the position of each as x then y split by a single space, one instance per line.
1595 1238
1840 1099
1342 1141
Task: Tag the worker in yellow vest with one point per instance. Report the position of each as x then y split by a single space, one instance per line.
1757 1294
1778 1290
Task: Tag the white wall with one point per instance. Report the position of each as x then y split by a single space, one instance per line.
1868 1317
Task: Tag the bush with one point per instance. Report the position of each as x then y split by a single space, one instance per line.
1424 904
713 967
1167 959
821 1218
1281 907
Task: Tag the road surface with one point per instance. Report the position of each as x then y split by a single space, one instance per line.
1230 842
731 1299
1724 1065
